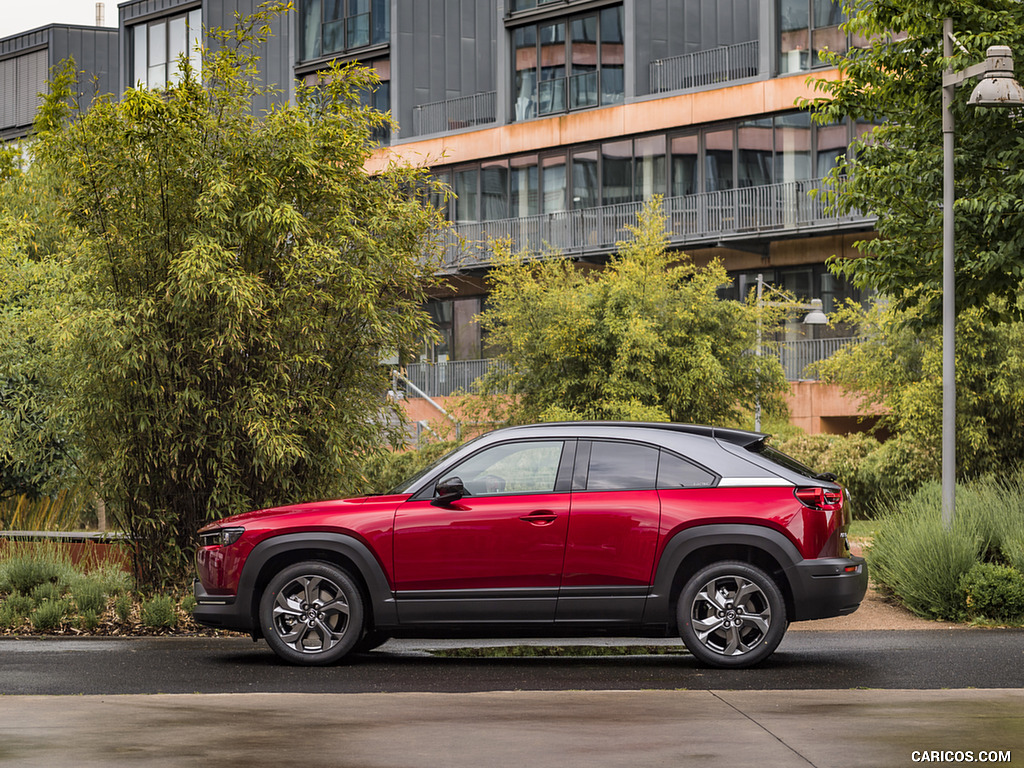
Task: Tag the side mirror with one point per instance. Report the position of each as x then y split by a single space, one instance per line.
448 491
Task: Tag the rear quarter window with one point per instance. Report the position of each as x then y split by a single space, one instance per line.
676 472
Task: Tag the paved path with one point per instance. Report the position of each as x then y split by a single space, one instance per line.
634 729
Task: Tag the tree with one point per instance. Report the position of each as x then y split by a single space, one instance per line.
644 339
896 170
230 285
898 367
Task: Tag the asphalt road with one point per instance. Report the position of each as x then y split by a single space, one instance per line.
986 659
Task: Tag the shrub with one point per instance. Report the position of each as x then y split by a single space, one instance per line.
992 591
159 612
26 571
15 609
8 618
49 615
123 607
112 578
46 592
88 595
923 563
88 620
188 603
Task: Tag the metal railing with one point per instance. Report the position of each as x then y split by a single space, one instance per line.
690 219
796 356
454 114
695 70
442 379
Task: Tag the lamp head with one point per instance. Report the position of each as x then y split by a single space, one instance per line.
997 87
816 316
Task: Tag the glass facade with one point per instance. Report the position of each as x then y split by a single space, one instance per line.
749 153
568 64
157 49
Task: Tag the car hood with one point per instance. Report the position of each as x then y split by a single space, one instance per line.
333 506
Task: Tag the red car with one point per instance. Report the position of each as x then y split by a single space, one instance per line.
575 529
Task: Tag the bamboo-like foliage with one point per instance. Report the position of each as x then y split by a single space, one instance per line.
223 291
645 339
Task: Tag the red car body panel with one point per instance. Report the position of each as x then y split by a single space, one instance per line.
481 543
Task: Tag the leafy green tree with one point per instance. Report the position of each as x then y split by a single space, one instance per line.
896 170
228 284
647 338
898 367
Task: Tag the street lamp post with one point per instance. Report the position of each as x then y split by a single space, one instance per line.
998 88
814 316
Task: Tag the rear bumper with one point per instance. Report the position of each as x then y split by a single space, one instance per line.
827 587
220 611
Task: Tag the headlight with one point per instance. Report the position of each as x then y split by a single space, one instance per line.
221 537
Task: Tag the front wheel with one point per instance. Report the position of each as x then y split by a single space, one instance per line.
731 614
312 613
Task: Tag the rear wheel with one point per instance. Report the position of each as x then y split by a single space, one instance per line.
731 614
312 613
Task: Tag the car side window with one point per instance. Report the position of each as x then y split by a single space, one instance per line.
620 466
677 472
511 468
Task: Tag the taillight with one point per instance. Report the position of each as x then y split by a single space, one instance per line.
824 499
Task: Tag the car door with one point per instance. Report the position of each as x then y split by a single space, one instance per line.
494 555
613 532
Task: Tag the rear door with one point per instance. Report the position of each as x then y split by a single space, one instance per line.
613 532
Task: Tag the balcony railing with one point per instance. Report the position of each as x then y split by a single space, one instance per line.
442 379
796 356
695 70
454 114
709 217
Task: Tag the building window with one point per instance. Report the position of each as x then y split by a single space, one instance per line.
157 48
806 29
22 79
781 149
336 26
568 64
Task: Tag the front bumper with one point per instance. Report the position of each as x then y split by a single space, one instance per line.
827 587
221 611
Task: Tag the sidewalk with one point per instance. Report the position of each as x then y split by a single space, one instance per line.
635 729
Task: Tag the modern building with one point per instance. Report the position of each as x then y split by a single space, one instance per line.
155 34
554 121
26 60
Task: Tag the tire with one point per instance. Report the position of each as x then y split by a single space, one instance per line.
731 614
312 614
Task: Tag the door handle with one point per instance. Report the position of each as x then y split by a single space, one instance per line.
540 517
